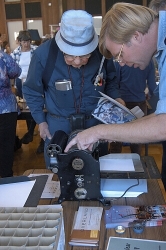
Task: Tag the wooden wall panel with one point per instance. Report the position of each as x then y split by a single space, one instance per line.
50 14
80 5
75 4
70 4
23 15
3 27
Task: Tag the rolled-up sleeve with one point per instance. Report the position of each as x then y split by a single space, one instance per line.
33 90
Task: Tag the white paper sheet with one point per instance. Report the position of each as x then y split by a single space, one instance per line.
50 176
15 194
88 218
51 189
116 164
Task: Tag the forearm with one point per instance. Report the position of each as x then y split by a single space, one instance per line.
148 129
33 90
145 117
35 103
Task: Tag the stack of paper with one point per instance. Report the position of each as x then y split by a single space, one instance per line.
86 226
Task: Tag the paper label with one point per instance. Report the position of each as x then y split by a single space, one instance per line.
94 234
88 218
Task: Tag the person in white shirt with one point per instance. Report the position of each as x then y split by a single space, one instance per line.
22 55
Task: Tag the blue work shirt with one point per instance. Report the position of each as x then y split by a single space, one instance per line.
133 81
62 103
161 60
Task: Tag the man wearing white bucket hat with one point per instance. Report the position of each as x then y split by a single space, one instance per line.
79 72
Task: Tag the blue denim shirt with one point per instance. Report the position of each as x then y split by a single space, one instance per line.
62 103
133 81
161 60
9 69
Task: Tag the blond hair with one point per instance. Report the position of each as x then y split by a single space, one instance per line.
121 21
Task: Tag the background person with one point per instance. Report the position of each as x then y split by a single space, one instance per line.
132 84
132 34
22 55
9 69
77 61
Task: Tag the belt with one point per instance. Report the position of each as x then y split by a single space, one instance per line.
87 117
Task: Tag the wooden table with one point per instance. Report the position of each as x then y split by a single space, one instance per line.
155 196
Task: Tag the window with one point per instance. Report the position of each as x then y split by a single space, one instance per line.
32 10
13 11
93 7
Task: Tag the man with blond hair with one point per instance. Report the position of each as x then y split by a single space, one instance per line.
132 34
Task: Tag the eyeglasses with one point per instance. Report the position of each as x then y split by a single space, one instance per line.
118 57
72 58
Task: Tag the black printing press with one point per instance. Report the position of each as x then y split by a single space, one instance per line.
78 170
81 175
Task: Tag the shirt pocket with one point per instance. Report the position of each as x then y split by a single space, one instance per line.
64 99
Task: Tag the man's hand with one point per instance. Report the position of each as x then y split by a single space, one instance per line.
120 100
44 132
84 140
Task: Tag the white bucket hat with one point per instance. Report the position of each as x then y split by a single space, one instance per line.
77 35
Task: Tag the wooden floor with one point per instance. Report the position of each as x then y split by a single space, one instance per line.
26 157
